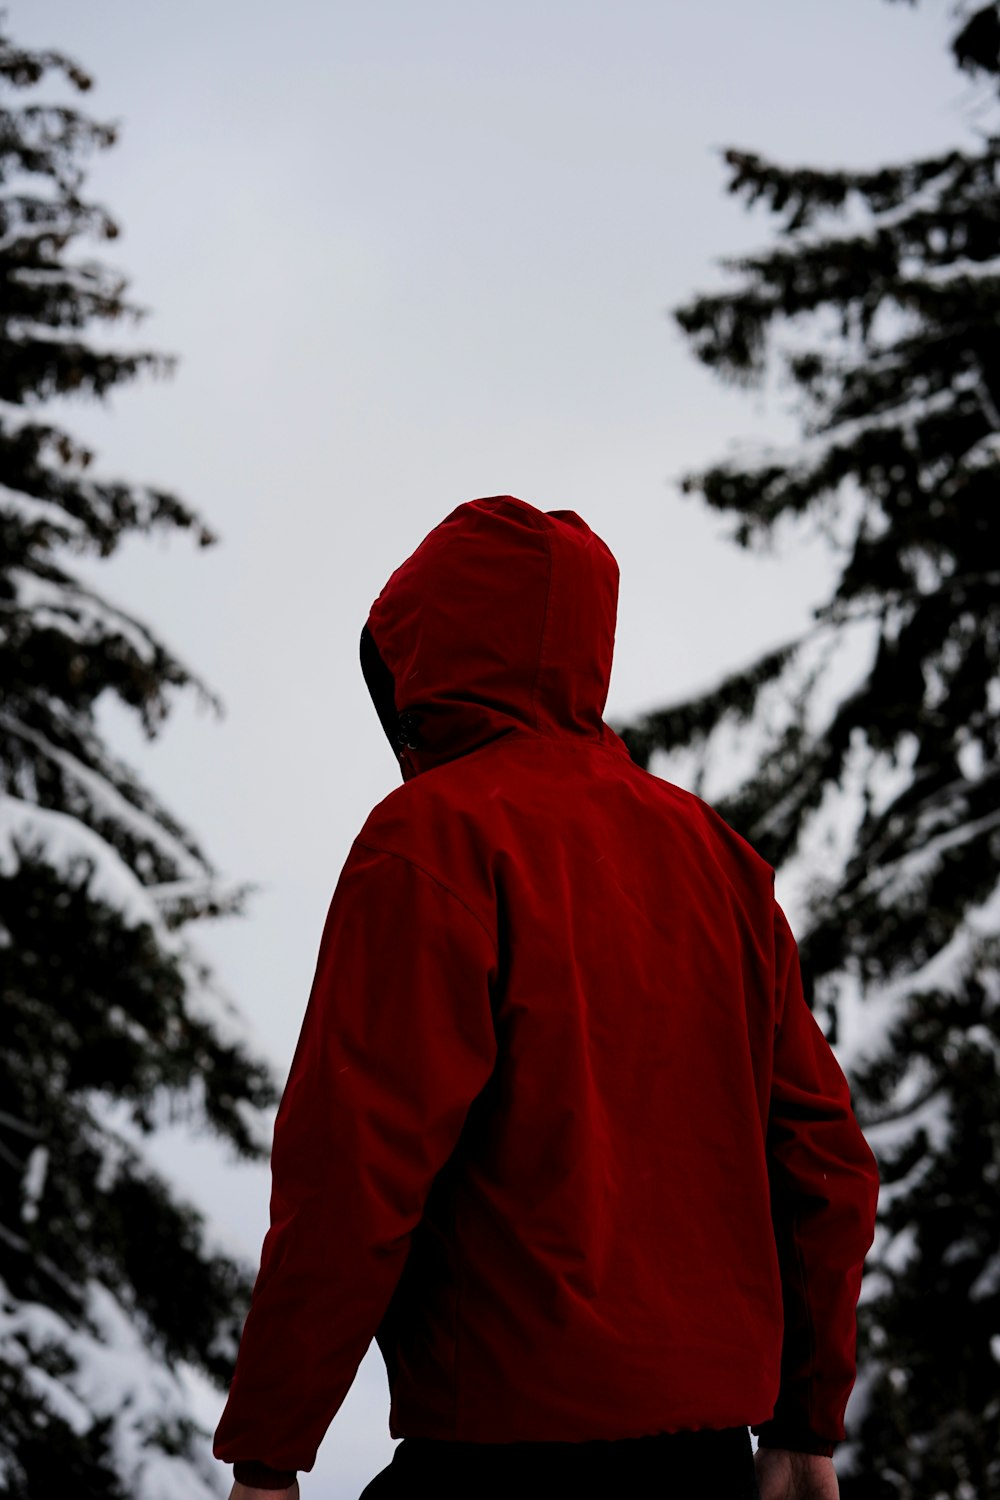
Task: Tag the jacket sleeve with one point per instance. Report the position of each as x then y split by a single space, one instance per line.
396 1042
824 1186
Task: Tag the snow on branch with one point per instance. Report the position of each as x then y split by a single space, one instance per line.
31 509
115 1375
63 841
867 1016
76 611
844 434
896 878
105 797
961 269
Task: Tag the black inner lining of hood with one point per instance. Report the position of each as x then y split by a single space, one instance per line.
382 688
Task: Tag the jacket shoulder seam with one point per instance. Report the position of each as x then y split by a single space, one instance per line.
392 854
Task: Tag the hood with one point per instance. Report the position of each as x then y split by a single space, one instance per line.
503 619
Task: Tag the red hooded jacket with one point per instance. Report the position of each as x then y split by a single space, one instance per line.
560 1130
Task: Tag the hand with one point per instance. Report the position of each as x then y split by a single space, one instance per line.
250 1492
795 1476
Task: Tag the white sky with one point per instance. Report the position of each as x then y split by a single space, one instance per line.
408 255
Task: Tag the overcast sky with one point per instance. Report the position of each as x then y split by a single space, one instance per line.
410 254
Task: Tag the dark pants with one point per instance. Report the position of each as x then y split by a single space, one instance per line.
669 1466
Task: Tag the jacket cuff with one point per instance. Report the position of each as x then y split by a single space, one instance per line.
258 1476
794 1437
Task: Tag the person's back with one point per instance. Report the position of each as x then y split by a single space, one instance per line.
575 1135
606 1212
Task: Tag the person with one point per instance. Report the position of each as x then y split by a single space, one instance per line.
560 1130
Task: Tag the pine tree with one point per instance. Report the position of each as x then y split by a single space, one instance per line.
111 1024
862 758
